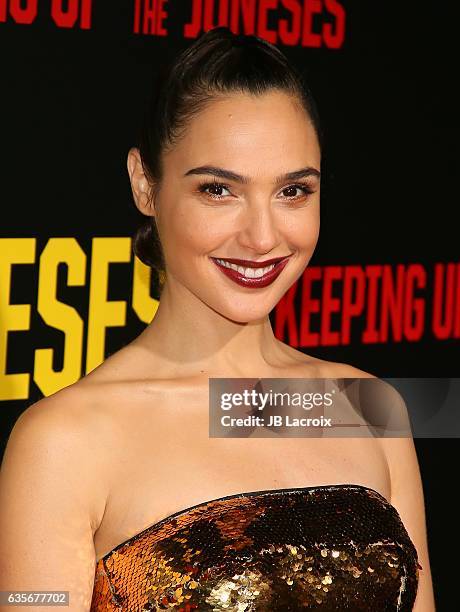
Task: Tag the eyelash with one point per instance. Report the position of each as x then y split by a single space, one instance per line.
303 186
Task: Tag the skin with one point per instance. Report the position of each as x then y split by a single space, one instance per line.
128 444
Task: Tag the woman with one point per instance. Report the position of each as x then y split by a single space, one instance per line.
119 470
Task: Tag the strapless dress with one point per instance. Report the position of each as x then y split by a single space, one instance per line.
330 548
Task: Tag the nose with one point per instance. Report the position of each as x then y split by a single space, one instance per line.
259 229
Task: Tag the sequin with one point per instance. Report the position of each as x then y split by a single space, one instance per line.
332 548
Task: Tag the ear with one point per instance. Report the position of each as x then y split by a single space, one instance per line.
140 185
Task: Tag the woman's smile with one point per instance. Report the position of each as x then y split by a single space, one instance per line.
252 274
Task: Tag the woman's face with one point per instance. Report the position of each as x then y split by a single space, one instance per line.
224 195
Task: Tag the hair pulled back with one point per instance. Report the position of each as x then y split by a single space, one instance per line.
218 62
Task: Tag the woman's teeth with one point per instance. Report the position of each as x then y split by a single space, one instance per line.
247 272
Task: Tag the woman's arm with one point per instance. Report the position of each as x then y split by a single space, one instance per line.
408 499
406 484
49 507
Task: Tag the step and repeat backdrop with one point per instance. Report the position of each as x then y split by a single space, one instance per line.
382 291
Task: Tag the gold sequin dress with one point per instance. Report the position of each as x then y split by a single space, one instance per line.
331 548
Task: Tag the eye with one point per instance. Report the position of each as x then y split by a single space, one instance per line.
291 189
215 189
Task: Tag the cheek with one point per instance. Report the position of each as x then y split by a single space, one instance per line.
191 229
302 229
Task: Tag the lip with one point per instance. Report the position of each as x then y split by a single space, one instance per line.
263 281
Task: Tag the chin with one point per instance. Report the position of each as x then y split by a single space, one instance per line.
244 314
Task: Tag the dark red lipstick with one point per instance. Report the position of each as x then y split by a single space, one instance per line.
239 277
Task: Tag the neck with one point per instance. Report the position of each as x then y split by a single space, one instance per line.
189 335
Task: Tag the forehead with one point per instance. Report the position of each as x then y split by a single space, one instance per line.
253 134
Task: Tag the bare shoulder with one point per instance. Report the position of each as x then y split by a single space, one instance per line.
333 369
53 491
322 368
61 431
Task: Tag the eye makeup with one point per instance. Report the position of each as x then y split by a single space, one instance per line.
306 187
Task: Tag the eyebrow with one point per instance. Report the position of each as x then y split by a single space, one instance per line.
239 178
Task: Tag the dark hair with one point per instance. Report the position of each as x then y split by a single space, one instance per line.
217 63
